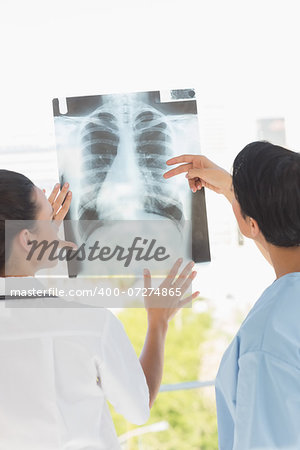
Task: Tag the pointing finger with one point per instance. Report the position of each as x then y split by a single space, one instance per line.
181 169
181 159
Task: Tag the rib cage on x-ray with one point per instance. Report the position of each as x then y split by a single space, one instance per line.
99 145
112 149
152 141
153 146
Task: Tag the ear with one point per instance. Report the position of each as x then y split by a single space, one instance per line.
24 240
254 228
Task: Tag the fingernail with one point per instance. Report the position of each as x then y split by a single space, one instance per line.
69 193
57 185
192 264
180 260
66 184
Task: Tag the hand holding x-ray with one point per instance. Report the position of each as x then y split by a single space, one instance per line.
60 201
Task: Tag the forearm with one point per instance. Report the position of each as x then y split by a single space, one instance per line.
152 357
228 188
229 195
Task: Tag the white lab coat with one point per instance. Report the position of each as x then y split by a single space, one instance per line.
50 361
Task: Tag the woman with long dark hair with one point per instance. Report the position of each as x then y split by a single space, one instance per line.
59 365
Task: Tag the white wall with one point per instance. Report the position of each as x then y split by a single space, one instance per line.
241 56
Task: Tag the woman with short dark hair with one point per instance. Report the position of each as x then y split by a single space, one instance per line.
258 382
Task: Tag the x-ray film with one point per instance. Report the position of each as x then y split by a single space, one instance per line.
113 149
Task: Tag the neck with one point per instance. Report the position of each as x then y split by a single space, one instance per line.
284 259
15 270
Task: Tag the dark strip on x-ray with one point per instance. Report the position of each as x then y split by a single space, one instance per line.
200 242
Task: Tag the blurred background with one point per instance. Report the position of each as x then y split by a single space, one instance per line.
241 57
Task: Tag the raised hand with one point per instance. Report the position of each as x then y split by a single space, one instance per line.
164 302
201 172
60 200
160 309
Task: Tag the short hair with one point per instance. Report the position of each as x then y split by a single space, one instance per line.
16 203
266 182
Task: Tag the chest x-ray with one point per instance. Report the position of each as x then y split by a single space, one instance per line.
113 149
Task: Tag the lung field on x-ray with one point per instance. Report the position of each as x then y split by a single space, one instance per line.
99 146
153 146
148 144
113 149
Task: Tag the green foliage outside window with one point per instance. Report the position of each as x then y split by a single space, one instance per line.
191 414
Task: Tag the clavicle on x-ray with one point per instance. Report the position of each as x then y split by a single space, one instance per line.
113 149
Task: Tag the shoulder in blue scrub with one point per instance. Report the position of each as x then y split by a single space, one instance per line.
258 382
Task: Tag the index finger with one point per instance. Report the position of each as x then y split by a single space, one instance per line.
180 169
180 159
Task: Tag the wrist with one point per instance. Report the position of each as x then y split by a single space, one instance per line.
158 325
229 195
227 190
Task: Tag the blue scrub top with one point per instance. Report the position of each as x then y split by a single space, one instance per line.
258 382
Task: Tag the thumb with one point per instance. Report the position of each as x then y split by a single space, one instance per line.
147 278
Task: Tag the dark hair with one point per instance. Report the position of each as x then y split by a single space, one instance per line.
16 203
266 182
